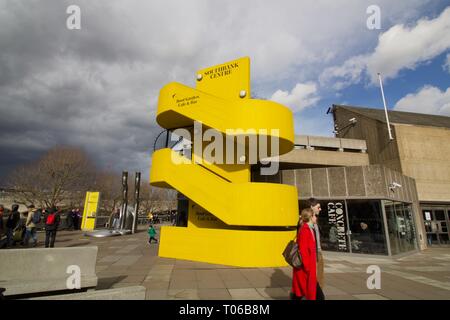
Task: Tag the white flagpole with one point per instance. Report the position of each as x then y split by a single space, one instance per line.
385 108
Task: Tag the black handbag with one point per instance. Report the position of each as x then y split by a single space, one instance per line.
292 254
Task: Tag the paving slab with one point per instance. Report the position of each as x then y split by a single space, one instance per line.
273 293
245 294
213 294
131 260
183 294
369 297
157 294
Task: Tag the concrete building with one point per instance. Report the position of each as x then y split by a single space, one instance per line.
420 149
378 196
363 209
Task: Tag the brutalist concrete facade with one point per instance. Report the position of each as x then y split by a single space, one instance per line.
361 182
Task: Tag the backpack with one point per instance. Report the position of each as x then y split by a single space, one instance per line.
51 219
36 217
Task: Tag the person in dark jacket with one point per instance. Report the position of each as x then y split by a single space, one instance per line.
365 236
78 217
2 211
12 223
70 224
52 220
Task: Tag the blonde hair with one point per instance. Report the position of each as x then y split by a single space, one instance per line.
306 215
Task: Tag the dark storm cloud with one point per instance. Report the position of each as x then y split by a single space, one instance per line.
57 87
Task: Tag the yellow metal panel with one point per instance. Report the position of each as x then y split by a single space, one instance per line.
242 248
226 210
226 80
180 105
245 204
90 211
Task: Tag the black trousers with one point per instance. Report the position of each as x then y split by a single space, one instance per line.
319 293
50 236
152 238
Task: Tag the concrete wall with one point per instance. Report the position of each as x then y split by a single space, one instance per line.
380 149
362 182
27 271
425 156
417 151
317 158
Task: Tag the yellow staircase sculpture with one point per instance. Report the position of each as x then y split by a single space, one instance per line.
231 220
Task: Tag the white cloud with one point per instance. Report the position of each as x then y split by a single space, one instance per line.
428 99
347 74
446 66
303 95
399 48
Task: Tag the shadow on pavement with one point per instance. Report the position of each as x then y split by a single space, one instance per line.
278 281
80 244
107 283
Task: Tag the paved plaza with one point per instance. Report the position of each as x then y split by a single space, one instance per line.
129 260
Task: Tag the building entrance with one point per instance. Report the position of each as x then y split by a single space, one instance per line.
437 223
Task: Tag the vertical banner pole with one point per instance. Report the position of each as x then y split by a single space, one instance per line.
137 187
124 199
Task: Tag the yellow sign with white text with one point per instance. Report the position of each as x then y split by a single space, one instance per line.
90 211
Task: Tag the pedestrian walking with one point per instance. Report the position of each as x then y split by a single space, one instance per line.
304 280
116 219
316 208
52 221
78 219
2 212
12 223
21 229
70 224
75 219
152 234
34 217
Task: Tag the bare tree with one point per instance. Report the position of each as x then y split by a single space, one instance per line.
110 188
157 199
61 176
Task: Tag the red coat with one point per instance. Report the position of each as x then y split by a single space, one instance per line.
304 280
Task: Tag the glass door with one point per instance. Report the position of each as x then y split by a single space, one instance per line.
441 220
436 225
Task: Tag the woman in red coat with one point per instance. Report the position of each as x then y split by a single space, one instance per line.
304 280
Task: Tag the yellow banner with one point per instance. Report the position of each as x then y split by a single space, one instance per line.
90 211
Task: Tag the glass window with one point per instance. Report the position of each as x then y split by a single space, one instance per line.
444 238
439 214
392 227
401 229
367 227
332 222
410 228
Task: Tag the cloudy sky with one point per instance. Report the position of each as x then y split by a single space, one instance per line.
97 87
